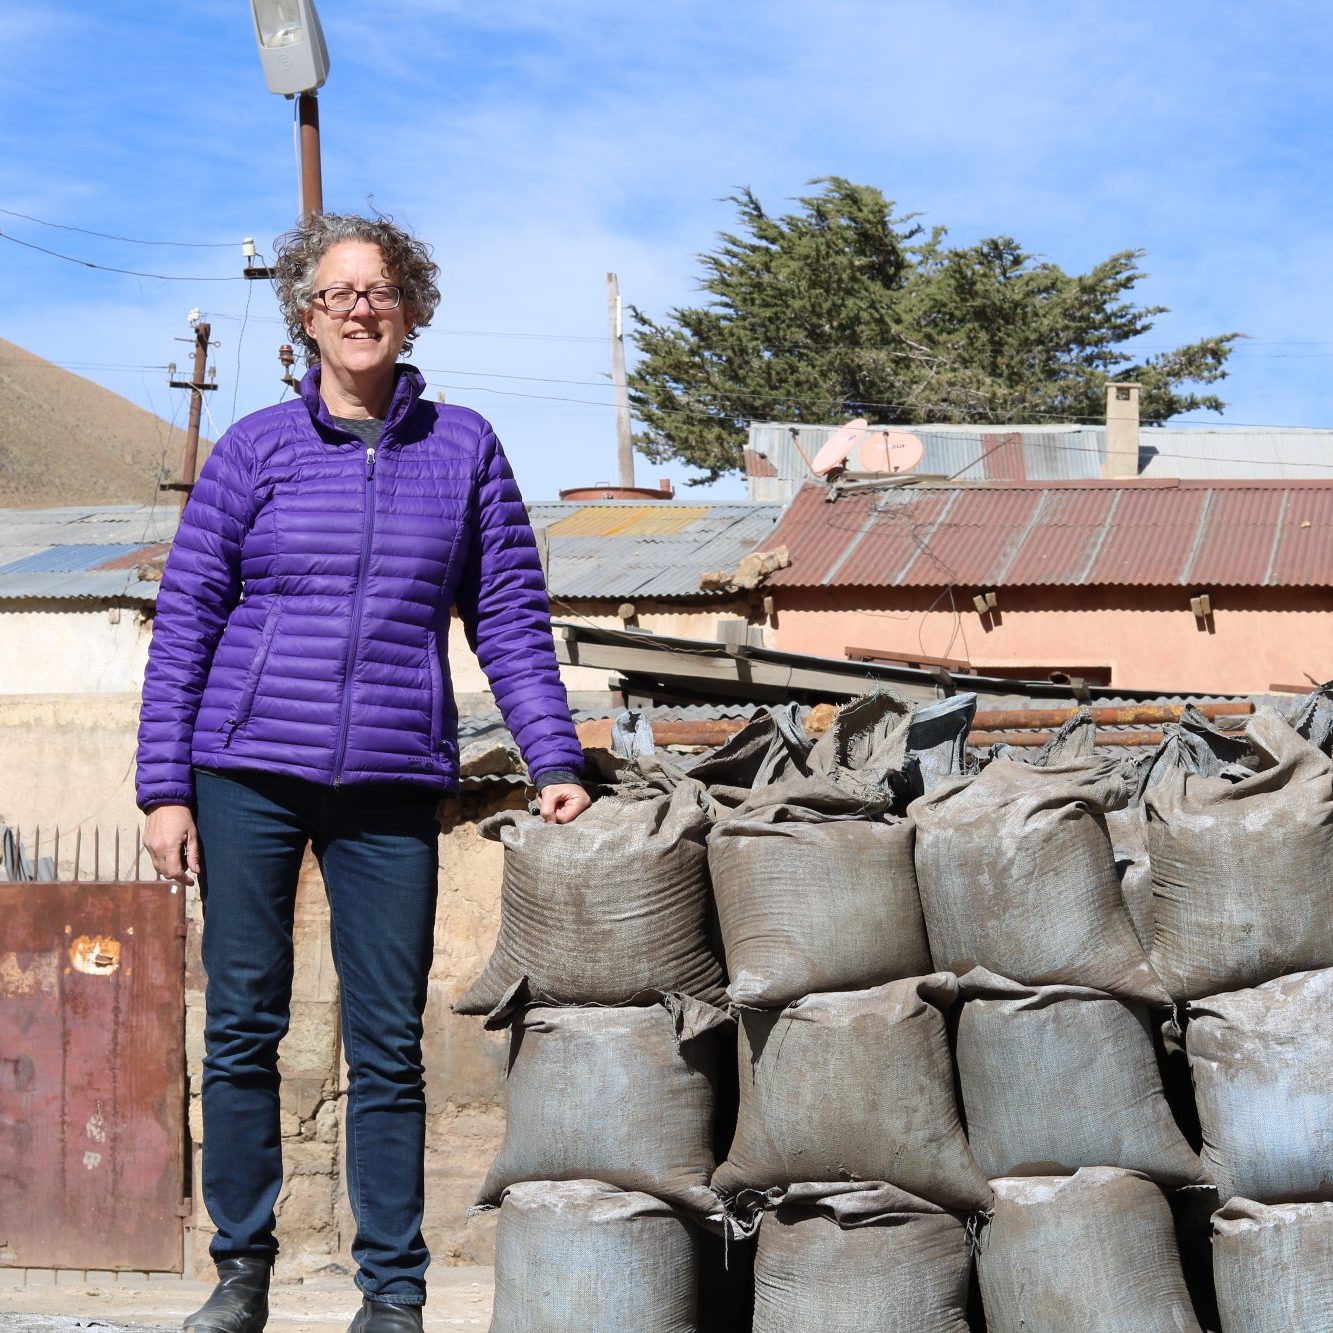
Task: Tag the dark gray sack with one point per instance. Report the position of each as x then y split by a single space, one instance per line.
1274 1267
1060 1077
1094 1252
844 1265
1261 1062
578 1255
1242 866
1192 744
622 1095
609 909
852 1085
814 877
1017 875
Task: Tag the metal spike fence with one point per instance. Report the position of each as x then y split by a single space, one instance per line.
92 856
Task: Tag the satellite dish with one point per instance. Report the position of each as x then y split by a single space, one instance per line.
889 451
838 446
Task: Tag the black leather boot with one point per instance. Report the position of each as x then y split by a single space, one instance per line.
382 1317
239 1303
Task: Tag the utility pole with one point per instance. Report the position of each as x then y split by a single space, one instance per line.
198 387
624 434
312 171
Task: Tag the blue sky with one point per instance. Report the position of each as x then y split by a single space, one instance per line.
539 146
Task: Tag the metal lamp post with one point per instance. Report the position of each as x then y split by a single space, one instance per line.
296 63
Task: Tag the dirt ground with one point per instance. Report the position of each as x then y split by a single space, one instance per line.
459 1298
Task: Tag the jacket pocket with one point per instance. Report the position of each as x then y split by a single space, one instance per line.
436 691
247 697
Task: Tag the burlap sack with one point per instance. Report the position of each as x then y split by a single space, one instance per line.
1059 1077
609 909
1093 1252
1017 875
1193 745
625 1096
1274 1266
1261 1061
853 1085
1242 866
901 1267
814 876
581 1255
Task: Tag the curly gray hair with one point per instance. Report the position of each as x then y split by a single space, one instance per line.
301 249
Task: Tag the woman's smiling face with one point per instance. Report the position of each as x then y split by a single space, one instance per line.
361 343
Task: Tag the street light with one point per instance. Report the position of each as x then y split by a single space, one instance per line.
296 63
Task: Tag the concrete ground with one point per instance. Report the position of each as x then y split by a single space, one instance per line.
459 1298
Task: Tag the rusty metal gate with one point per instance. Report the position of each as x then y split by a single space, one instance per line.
92 1075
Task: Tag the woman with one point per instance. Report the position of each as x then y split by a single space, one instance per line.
297 691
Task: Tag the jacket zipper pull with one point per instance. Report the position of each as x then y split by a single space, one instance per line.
370 462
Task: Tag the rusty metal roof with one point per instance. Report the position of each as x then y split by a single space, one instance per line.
614 548
1107 533
610 549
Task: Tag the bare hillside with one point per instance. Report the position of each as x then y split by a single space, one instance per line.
65 440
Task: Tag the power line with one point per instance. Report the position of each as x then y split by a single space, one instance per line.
107 268
128 240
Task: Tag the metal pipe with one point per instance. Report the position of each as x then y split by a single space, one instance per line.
1025 739
1133 715
312 175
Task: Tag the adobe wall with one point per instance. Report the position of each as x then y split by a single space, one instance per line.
1149 637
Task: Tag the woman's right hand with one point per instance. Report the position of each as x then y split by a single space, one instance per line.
171 839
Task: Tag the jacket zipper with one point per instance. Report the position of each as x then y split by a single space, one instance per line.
367 531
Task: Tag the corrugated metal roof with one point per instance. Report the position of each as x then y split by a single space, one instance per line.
1054 453
1138 533
658 519
61 559
1269 453
89 552
611 548
971 453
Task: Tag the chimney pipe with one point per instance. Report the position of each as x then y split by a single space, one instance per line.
1122 430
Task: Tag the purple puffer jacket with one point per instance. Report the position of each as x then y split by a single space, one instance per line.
302 623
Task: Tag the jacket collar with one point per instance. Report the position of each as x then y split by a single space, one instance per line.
409 385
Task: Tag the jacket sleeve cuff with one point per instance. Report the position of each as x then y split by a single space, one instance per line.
184 796
555 776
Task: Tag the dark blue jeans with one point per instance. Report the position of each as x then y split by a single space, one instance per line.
377 847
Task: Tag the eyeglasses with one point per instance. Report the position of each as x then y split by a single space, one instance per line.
342 300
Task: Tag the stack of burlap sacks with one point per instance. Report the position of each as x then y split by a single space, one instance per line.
862 888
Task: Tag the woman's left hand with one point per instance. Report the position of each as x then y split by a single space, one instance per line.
562 802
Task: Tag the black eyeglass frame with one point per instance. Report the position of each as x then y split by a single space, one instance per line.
322 296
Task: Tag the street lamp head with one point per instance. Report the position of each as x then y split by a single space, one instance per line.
291 45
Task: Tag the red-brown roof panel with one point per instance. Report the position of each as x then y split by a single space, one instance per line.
1239 539
1152 538
1063 543
816 534
975 538
1304 556
900 538
1202 534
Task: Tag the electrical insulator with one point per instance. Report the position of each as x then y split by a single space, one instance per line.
286 357
171 370
248 247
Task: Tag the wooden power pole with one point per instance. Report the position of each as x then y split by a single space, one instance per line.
624 434
198 387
